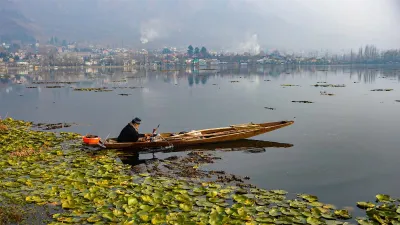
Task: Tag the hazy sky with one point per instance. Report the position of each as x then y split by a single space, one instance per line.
232 24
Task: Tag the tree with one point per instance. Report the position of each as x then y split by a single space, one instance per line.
204 52
196 51
166 51
55 40
190 50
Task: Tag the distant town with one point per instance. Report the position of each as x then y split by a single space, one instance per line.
62 54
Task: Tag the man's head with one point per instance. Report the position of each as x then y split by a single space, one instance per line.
136 122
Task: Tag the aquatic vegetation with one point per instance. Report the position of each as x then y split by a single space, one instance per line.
124 94
325 93
329 85
382 90
52 126
269 108
303 102
10 214
31 87
126 87
386 211
54 82
102 89
96 188
290 85
234 81
51 169
397 100
56 86
119 81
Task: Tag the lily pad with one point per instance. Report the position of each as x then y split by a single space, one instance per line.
365 205
309 198
344 214
383 198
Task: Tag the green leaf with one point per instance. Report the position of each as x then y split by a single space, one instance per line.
274 212
265 220
365 205
279 192
185 207
344 214
132 201
93 219
309 198
314 221
364 221
383 198
109 216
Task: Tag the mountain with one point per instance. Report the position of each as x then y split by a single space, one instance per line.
230 24
14 25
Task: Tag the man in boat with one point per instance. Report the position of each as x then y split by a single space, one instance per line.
130 133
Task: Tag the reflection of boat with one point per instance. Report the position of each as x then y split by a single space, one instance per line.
197 137
246 145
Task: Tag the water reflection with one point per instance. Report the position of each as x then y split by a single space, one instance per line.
367 74
246 145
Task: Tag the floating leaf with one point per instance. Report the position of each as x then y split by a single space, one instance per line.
279 192
383 198
132 201
274 212
314 221
365 205
309 198
93 219
344 214
185 207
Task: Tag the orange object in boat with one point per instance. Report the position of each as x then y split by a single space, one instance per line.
91 139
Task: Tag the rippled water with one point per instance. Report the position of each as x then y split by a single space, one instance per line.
344 148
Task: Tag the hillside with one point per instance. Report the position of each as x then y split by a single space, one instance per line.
13 25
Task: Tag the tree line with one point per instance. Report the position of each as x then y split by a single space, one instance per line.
197 52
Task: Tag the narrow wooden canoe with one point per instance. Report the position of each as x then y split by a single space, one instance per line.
198 137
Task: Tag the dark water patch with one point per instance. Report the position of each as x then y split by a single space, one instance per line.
329 85
55 86
53 126
307 102
326 93
382 90
290 85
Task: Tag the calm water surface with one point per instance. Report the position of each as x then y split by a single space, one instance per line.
345 147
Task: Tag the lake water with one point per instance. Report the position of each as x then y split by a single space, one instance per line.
346 147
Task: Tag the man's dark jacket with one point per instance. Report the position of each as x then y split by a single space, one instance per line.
129 134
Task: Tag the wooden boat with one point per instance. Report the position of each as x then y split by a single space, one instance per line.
198 137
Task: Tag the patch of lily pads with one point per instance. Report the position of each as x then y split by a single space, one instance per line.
326 93
306 102
328 85
382 89
51 169
102 89
290 85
